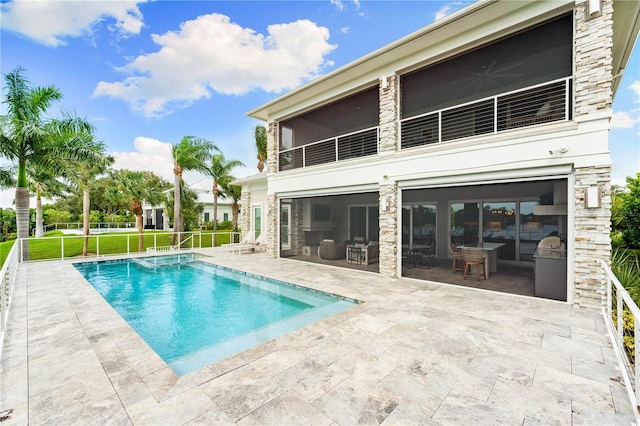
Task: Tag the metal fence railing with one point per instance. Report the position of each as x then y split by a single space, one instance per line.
8 275
99 245
622 316
94 226
542 103
352 145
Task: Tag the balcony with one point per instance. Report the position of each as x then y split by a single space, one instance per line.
543 103
343 147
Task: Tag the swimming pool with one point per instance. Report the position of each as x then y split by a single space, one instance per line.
194 313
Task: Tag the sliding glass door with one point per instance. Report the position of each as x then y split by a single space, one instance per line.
465 223
364 222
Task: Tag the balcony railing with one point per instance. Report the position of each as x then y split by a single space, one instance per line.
622 317
351 145
533 105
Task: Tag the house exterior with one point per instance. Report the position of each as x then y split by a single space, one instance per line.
488 126
154 217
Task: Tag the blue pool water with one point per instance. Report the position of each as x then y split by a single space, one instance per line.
193 313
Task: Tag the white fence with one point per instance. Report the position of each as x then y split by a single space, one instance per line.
94 226
7 280
100 245
618 308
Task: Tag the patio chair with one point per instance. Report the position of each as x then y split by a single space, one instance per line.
473 257
458 260
258 245
246 240
331 250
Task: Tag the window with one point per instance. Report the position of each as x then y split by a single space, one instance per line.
225 216
206 217
499 226
537 55
347 115
257 221
364 222
465 223
418 225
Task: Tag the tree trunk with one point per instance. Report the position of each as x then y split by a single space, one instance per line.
177 206
215 210
85 220
234 215
22 219
39 224
136 208
140 232
260 163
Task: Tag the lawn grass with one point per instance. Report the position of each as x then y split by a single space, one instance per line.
5 248
57 245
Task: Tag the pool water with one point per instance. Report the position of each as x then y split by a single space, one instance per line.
193 313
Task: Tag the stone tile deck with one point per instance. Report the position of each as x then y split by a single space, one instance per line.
415 352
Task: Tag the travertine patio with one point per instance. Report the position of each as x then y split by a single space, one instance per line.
414 352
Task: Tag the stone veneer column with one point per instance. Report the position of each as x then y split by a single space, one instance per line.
297 234
592 235
388 192
388 119
593 95
388 230
273 137
593 60
272 226
245 222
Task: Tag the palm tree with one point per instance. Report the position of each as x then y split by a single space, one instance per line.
190 154
235 192
26 136
260 135
82 175
137 187
43 183
219 168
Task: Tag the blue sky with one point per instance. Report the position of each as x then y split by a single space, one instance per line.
148 73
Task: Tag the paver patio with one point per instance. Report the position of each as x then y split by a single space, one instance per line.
414 352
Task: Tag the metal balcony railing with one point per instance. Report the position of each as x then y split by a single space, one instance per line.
350 145
622 317
542 103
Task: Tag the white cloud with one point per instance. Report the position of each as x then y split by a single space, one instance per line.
150 154
210 53
49 22
341 6
624 120
447 9
344 30
635 88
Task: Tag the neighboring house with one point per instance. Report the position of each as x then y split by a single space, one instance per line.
489 125
154 216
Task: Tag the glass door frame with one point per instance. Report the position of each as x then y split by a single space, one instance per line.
285 207
255 207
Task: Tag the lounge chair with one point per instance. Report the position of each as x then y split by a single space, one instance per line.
246 240
258 245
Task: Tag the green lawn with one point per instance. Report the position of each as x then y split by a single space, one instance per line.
107 243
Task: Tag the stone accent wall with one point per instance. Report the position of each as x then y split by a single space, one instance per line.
272 231
593 56
389 107
273 138
593 95
245 222
388 230
592 235
297 234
